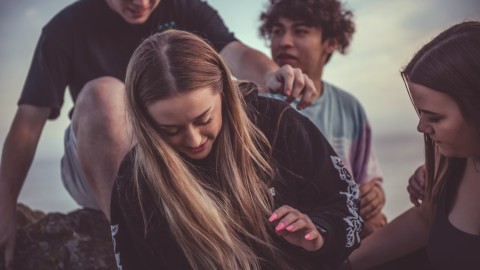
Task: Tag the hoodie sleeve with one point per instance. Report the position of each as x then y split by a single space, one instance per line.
316 182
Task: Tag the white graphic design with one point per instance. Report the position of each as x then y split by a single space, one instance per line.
114 229
272 191
354 221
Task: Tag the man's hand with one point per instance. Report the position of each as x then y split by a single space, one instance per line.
8 230
416 186
372 199
292 83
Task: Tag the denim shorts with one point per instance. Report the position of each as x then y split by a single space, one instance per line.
72 175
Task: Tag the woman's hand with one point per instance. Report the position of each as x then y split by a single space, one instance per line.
416 186
297 228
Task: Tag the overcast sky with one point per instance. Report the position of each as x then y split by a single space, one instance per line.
388 33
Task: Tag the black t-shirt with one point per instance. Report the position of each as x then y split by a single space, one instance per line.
448 247
311 179
88 40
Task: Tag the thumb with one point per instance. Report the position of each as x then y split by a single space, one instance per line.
274 86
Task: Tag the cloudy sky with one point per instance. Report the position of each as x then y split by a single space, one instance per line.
388 33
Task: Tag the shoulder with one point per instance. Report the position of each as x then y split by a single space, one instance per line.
345 102
342 95
264 108
78 13
275 118
123 181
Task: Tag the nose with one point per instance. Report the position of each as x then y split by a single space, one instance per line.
193 137
141 3
286 40
424 127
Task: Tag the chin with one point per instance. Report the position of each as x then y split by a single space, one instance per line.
136 20
200 155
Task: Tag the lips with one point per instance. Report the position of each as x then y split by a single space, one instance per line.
137 12
284 58
198 149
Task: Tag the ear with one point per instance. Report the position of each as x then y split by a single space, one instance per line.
332 45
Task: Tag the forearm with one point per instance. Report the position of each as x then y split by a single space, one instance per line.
405 234
247 63
18 152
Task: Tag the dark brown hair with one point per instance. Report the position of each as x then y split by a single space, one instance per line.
328 15
450 63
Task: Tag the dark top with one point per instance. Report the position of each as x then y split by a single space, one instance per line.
448 247
88 40
311 178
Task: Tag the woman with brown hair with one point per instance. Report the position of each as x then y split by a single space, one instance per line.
443 80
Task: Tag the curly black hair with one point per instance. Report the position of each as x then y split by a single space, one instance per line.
329 15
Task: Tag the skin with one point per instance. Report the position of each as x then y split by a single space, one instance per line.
295 44
191 122
442 121
133 11
106 144
416 186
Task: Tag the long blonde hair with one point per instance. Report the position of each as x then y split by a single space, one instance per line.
220 227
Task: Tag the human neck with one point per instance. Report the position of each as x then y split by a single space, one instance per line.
474 164
319 86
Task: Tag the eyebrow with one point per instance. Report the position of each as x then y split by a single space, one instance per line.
295 24
301 23
196 118
426 111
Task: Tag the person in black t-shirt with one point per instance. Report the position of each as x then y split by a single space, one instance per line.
221 178
86 47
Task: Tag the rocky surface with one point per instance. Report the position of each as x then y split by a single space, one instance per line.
77 240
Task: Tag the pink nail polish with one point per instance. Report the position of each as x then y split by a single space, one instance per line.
279 227
308 237
289 228
272 217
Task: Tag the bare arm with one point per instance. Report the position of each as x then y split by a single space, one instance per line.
249 64
403 235
18 151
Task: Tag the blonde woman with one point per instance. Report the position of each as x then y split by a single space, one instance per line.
221 178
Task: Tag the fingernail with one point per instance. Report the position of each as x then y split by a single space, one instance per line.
279 227
289 228
272 217
308 237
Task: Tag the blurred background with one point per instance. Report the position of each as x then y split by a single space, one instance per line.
387 35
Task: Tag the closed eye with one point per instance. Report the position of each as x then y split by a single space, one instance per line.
169 131
204 123
430 116
301 30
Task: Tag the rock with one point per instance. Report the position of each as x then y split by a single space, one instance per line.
78 240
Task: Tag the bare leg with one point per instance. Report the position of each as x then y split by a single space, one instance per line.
103 135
